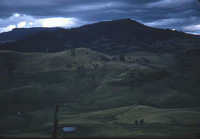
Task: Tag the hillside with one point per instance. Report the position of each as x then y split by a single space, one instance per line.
108 92
95 80
117 36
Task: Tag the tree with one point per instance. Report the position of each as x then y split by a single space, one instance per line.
73 53
141 121
69 46
81 71
122 58
96 65
136 122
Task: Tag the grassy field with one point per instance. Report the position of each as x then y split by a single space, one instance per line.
118 122
110 94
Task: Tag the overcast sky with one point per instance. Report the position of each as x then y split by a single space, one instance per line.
181 15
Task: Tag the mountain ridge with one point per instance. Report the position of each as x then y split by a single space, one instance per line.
17 33
115 36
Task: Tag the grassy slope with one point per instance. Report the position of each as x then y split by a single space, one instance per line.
47 79
91 80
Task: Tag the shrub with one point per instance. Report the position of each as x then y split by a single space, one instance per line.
175 122
115 58
103 58
96 66
141 121
69 65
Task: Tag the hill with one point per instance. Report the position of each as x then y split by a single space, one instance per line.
108 92
117 36
18 33
94 80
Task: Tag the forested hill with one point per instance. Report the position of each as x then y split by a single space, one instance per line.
116 36
18 33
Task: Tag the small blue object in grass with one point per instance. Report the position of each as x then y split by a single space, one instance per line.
69 129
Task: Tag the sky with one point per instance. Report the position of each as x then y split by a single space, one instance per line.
182 15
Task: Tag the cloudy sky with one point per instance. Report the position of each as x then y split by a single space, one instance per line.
181 15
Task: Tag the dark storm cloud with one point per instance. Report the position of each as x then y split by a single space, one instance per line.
179 14
66 7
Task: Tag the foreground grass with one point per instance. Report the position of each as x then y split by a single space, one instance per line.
118 122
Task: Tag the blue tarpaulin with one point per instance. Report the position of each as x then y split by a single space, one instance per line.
69 129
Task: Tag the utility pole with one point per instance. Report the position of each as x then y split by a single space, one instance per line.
55 125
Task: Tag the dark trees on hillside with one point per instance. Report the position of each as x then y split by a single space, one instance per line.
122 58
141 121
